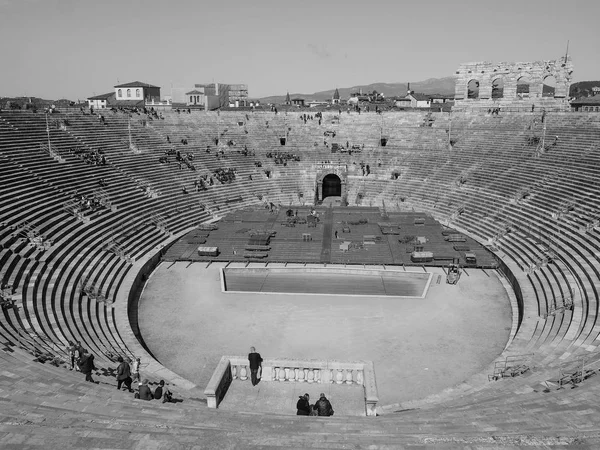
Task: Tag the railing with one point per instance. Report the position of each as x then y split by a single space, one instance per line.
511 366
295 371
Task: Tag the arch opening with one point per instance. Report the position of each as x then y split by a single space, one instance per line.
549 86
523 87
498 88
332 186
473 89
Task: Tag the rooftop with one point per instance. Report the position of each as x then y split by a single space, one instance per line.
102 96
136 84
593 100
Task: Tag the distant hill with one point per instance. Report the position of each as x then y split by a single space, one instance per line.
32 102
583 88
442 86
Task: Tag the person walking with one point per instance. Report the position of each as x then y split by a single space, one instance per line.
136 369
72 350
86 366
255 361
124 374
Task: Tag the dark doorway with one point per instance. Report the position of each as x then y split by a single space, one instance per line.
332 186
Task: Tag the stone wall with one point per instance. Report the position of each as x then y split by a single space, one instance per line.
486 73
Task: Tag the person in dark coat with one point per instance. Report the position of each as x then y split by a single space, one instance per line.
145 393
86 365
124 374
255 362
323 406
162 391
303 405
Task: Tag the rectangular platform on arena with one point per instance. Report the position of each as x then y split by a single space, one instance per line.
325 280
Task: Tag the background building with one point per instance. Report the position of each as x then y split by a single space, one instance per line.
137 93
101 101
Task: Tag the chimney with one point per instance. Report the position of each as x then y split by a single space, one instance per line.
408 89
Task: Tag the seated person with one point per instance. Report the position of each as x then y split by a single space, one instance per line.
162 391
323 406
144 391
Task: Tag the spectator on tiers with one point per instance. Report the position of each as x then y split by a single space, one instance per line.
136 369
162 391
255 361
86 365
72 349
303 406
323 406
124 374
144 391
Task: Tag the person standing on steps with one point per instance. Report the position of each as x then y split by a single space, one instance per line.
255 362
86 366
124 374
136 369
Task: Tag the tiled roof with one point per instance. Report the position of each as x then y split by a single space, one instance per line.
420 97
336 94
136 84
594 100
102 96
195 91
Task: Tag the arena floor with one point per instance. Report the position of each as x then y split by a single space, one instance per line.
419 346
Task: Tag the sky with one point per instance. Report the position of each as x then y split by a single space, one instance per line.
77 48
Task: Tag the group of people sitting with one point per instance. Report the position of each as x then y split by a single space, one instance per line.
225 175
125 377
82 361
283 158
322 407
94 158
89 203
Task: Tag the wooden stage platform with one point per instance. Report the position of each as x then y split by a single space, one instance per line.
341 235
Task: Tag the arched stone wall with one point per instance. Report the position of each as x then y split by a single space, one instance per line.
340 171
536 71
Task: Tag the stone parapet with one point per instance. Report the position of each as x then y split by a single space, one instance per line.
232 368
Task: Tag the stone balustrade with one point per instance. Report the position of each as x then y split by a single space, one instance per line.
232 368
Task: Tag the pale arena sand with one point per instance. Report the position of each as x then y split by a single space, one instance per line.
419 346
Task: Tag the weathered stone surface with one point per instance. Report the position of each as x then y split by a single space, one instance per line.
486 73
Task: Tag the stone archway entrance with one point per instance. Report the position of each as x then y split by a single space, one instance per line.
331 182
332 186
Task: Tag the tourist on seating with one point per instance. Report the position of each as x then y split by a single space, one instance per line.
255 361
124 374
80 350
144 392
323 406
136 369
303 406
86 365
72 349
158 392
162 391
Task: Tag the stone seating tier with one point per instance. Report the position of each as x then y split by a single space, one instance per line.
491 183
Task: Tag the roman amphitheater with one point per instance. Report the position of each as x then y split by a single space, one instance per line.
185 239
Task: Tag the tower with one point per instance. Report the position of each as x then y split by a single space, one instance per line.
336 97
